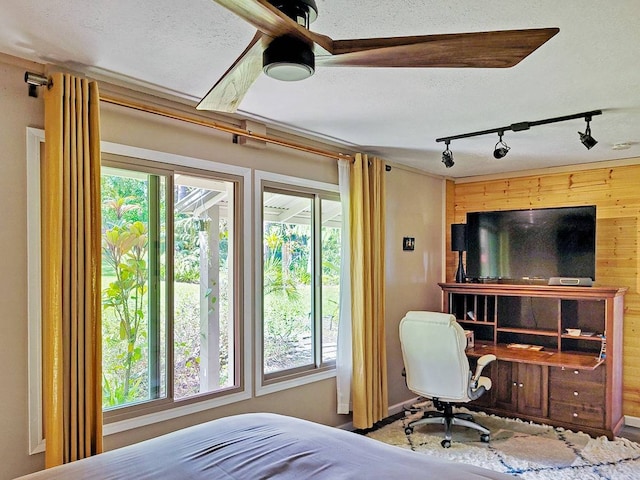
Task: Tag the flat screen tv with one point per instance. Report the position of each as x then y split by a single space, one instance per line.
532 244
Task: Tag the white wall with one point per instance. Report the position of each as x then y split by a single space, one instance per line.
414 209
18 112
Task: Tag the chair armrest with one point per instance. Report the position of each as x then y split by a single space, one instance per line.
483 361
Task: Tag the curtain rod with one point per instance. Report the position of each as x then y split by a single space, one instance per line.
224 128
35 80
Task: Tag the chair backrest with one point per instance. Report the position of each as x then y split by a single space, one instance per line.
433 349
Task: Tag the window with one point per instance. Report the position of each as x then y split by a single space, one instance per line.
205 331
168 284
301 230
174 303
134 269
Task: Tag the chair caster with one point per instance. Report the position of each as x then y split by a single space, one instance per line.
445 443
408 430
485 438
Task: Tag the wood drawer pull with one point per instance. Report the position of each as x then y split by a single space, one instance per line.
575 415
575 394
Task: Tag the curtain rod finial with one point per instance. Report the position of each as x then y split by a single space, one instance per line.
35 80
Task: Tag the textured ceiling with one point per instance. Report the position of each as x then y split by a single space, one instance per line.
182 48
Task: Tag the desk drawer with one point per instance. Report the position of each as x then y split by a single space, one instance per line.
563 375
579 393
591 416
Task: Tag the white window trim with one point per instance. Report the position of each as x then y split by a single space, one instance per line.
284 384
35 138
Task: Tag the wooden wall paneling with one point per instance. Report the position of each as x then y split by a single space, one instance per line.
450 217
616 193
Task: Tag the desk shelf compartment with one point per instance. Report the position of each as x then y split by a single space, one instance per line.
547 339
590 345
474 308
588 316
533 313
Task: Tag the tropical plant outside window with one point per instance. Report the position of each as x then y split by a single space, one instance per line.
158 227
301 280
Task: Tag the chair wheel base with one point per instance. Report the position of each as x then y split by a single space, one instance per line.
445 443
485 438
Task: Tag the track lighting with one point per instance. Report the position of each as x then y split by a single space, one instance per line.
501 148
586 138
447 156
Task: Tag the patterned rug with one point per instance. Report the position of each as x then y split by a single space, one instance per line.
524 450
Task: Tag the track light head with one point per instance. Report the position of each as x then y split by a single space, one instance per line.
500 152
501 149
586 138
447 156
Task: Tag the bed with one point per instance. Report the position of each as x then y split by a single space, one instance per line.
263 446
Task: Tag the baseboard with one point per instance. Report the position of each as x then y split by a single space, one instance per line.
632 421
400 407
393 409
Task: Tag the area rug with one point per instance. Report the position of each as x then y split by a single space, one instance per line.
524 450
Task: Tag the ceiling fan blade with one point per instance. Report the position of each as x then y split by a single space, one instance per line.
272 22
228 92
498 49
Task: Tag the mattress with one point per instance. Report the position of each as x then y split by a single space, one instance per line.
263 446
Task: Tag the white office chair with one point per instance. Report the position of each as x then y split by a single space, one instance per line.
436 367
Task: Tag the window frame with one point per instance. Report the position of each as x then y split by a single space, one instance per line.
162 161
270 383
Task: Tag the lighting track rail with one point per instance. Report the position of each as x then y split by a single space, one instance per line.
501 148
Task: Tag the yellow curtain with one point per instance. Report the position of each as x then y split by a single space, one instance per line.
71 256
367 210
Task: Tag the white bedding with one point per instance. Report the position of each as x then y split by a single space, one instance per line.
263 446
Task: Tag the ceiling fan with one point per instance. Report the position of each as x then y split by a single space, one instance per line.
285 48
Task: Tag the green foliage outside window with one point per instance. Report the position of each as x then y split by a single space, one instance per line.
125 254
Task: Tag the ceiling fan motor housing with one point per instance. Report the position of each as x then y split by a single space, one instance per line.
303 12
288 58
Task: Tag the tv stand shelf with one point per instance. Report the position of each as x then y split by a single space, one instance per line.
565 380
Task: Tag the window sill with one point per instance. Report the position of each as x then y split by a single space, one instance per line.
285 384
171 413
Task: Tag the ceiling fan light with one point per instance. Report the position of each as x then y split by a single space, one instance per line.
288 72
289 59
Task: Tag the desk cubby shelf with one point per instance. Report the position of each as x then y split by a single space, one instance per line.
539 315
527 331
